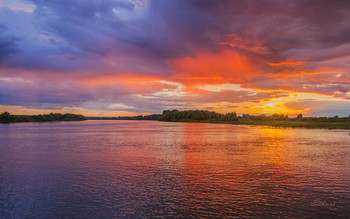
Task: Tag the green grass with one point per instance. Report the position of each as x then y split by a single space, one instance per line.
281 123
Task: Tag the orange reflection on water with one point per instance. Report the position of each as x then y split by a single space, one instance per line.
277 148
151 168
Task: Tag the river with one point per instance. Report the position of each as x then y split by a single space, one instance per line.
112 169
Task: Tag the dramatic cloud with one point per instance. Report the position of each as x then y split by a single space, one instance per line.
117 57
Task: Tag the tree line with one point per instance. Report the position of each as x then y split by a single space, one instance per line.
210 116
139 117
174 116
204 115
6 117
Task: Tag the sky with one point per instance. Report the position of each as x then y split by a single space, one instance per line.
130 57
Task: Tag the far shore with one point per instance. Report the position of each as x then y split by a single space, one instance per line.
275 120
283 124
6 117
200 116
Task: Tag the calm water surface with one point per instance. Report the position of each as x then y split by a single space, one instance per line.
105 169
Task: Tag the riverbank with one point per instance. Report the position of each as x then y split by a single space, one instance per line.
290 124
273 123
275 120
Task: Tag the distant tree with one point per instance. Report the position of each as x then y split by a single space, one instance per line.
245 115
299 116
5 116
276 116
165 111
261 117
231 116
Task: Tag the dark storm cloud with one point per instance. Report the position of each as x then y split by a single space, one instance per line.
116 28
8 44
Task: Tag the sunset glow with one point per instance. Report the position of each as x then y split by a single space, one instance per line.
130 57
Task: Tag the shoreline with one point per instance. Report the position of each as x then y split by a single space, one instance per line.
276 123
280 124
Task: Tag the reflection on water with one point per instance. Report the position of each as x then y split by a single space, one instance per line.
110 169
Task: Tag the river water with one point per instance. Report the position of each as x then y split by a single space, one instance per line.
112 169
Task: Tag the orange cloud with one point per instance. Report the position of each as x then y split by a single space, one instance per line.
284 76
212 68
286 63
129 84
256 46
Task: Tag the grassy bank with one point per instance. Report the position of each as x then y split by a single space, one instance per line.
291 124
